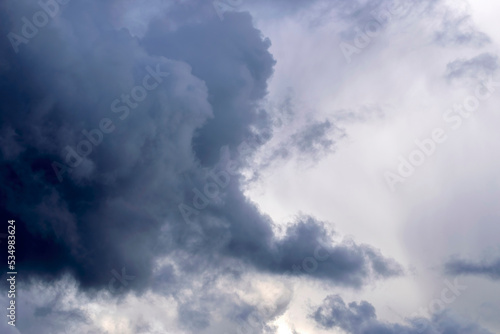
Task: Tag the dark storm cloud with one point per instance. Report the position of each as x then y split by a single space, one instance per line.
84 225
360 318
116 209
489 269
306 248
232 58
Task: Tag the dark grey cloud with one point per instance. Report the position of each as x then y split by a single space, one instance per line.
489 269
235 71
361 318
117 207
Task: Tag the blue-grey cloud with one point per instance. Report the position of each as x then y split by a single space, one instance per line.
479 67
114 152
458 29
361 318
110 132
314 138
489 269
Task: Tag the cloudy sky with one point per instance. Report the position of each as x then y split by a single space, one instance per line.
251 166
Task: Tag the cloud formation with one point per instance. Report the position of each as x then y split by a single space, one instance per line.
489 269
361 318
113 131
126 133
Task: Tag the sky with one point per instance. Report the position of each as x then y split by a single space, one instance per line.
250 166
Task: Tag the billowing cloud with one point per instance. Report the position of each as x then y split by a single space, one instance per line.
112 139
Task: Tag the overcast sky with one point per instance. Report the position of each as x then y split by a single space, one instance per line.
251 166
